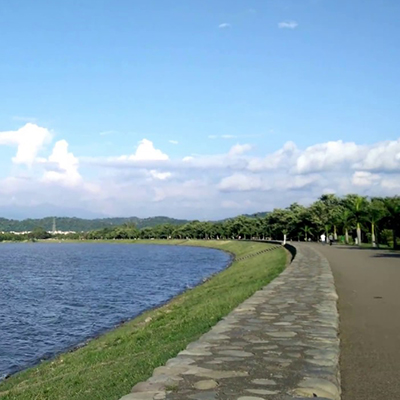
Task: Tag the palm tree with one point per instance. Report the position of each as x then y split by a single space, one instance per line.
327 228
335 217
392 211
358 207
347 222
307 231
375 213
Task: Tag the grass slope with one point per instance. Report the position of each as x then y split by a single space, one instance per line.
108 367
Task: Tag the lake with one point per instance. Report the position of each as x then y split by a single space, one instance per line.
56 296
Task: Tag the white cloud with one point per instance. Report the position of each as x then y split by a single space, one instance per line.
29 140
364 178
146 152
339 155
239 149
282 158
174 142
335 156
240 183
391 183
334 165
162 176
224 25
231 204
331 156
324 156
383 156
148 182
66 171
218 162
296 182
288 25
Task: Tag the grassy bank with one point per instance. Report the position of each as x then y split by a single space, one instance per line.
108 367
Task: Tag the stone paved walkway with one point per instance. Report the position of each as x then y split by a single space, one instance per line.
282 343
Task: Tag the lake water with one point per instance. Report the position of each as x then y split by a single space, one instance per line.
56 296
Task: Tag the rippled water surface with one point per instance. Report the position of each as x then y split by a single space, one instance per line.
55 296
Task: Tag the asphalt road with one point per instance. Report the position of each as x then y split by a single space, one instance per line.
368 285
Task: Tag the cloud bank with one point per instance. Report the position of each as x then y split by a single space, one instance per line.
147 181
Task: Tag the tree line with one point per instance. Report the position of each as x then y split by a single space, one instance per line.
369 220
349 219
36 234
81 225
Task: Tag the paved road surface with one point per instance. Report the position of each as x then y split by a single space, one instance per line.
368 285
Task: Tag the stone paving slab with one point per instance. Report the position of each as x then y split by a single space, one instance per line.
282 343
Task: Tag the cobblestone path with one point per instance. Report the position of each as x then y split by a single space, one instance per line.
282 343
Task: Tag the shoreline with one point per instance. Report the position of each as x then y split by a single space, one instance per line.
142 320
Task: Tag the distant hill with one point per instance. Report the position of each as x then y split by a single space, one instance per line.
82 225
85 225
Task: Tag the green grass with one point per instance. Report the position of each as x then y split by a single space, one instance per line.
108 367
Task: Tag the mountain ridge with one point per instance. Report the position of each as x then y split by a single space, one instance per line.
81 224
84 225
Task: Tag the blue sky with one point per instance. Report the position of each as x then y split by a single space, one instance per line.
96 80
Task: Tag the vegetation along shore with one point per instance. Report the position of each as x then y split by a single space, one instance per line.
107 367
349 219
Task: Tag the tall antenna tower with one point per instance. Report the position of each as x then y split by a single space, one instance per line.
54 224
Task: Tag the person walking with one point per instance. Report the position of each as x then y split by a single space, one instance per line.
323 238
330 240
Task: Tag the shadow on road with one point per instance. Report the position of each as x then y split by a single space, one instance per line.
388 255
292 250
339 246
375 252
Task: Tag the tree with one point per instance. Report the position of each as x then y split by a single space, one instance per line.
307 232
347 223
319 216
392 216
146 233
39 233
374 213
333 209
265 228
358 206
327 213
